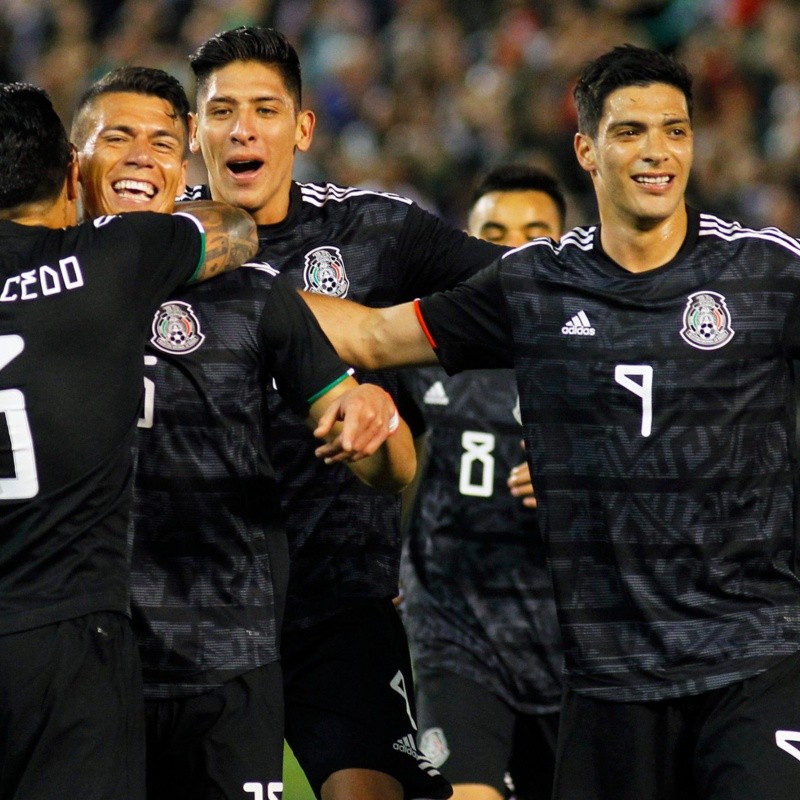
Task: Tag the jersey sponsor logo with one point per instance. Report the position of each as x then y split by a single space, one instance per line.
176 329
706 321
434 747
579 325
436 395
788 741
407 745
324 272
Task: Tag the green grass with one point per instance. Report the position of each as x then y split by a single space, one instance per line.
295 785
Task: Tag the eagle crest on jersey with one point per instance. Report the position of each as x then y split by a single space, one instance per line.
706 321
176 329
324 272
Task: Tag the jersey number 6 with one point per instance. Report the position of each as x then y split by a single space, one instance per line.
25 482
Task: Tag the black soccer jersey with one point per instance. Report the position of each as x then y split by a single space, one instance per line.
658 413
478 599
210 556
378 249
75 305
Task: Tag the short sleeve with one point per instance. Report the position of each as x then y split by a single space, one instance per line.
305 365
468 326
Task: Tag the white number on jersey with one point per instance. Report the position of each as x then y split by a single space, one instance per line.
478 449
146 420
625 375
274 790
25 483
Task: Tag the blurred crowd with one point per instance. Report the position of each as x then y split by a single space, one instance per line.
419 97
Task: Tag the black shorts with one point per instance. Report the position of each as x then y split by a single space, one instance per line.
226 743
350 700
474 737
740 742
71 722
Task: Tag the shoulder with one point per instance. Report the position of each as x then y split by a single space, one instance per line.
320 194
720 231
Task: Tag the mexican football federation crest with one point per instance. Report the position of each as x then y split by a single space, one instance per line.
176 328
706 321
324 272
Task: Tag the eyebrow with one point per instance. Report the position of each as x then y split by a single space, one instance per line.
535 223
132 132
634 123
267 98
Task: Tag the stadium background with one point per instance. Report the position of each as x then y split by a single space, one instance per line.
419 97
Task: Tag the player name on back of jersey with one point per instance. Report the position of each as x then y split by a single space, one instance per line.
43 281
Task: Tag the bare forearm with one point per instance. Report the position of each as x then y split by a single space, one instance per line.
231 235
393 466
372 338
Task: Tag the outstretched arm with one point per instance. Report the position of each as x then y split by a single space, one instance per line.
231 236
372 338
362 429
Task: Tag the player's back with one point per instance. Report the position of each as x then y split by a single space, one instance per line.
73 306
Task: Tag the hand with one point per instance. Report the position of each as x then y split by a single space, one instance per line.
519 482
366 416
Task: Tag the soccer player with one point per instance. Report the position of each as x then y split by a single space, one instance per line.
653 355
477 596
350 712
75 304
209 558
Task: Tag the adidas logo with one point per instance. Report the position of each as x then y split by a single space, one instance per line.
436 395
408 746
579 325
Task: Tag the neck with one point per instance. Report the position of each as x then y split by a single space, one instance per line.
639 248
54 213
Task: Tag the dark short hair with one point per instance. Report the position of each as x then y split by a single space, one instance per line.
522 178
625 65
34 149
249 43
134 80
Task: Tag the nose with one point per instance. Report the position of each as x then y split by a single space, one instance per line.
140 153
515 239
655 147
243 129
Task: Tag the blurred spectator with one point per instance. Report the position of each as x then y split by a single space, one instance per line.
420 96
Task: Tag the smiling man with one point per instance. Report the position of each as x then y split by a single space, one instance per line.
654 360
209 557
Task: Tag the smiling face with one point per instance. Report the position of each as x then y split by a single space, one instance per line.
515 217
131 154
247 131
641 157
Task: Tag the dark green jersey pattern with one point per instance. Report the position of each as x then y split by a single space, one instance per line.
378 249
658 411
75 307
478 599
210 556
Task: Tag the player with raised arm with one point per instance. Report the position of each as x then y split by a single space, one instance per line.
350 712
653 355
209 558
75 305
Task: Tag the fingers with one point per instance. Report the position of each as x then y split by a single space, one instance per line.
367 415
519 484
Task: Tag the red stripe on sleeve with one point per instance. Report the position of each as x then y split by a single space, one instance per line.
421 320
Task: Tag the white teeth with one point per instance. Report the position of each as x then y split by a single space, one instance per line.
655 181
135 186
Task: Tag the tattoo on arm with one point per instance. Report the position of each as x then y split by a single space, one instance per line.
231 235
